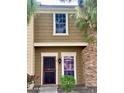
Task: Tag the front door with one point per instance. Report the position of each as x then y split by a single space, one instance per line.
49 70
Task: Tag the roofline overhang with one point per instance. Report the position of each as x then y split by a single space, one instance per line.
54 8
54 11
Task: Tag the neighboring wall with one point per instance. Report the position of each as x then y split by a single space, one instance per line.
43 28
30 48
79 63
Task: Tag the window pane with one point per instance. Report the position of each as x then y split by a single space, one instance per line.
60 23
69 65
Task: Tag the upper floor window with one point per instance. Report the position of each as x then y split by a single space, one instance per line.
60 24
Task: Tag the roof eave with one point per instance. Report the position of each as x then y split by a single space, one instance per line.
60 44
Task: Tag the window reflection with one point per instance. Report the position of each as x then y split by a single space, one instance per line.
60 23
69 65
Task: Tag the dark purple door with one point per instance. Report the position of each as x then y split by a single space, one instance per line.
49 70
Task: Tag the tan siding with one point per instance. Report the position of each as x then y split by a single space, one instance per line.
30 48
43 28
79 63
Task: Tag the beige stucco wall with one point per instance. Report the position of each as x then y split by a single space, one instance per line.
43 28
79 63
30 48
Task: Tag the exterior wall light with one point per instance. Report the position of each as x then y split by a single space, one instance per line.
59 60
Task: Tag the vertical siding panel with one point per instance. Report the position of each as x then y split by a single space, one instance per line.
30 48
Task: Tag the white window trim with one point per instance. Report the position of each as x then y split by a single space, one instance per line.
49 54
69 54
54 25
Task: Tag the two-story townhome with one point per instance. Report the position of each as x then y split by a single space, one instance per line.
55 45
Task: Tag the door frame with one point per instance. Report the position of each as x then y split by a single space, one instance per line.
69 54
56 62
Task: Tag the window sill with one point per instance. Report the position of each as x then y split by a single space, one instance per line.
61 34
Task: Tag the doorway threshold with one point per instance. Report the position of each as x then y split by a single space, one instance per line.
49 85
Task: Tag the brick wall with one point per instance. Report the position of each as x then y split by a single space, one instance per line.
90 65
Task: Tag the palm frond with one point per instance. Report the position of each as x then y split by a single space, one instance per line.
86 18
31 8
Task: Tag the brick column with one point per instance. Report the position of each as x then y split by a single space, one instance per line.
90 65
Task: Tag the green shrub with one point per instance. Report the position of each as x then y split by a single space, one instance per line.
67 83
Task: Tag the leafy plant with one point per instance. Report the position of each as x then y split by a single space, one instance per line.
67 83
31 8
31 79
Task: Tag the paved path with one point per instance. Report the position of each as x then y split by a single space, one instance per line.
48 89
53 89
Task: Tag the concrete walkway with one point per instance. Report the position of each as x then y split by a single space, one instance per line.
48 90
55 89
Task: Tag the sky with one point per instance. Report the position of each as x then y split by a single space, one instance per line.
57 2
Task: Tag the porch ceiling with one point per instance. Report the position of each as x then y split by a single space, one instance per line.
43 44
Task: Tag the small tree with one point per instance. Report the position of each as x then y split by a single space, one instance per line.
86 19
67 83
